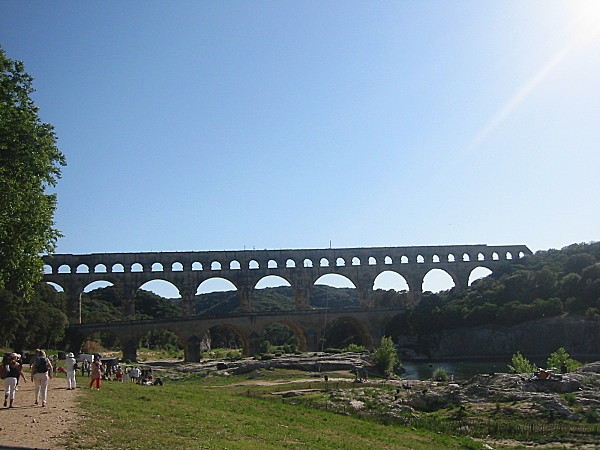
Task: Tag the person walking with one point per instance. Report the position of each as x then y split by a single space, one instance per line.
41 373
71 366
12 370
96 373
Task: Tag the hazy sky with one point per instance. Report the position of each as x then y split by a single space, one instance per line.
195 125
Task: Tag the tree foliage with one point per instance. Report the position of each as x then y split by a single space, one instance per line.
30 163
520 364
548 284
561 360
385 356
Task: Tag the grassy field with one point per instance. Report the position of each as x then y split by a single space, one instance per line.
227 413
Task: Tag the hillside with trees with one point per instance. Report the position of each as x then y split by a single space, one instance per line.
549 283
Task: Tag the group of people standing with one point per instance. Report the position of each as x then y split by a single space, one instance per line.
42 372
12 370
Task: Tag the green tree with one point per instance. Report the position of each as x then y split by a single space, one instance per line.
386 356
520 364
30 163
561 360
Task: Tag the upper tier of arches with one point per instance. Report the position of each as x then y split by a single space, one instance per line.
277 259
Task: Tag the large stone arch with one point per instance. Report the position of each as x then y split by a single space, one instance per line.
363 334
239 332
477 268
435 271
296 329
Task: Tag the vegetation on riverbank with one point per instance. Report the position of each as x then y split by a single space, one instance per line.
210 408
227 412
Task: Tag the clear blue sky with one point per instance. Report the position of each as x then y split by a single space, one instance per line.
197 125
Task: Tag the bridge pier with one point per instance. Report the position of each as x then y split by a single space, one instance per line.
192 350
130 350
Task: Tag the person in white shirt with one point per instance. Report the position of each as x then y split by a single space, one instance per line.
71 366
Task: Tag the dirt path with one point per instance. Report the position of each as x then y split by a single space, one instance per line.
32 426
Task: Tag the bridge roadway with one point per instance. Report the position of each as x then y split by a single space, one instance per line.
301 268
308 327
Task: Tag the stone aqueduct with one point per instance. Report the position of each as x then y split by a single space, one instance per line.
244 269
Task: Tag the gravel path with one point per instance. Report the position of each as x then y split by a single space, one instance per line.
32 426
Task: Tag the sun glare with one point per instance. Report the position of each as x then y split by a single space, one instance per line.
585 20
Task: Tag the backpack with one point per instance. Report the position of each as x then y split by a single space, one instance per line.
41 365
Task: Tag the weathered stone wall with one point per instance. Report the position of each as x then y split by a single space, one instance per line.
580 337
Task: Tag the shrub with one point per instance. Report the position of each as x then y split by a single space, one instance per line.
266 347
520 364
561 360
439 374
355 348
386 356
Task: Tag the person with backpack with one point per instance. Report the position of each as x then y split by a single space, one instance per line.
11 372
41 373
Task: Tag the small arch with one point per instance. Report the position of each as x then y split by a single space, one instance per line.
480 257
451 258
466 257
521 255
435 259
47 269
404 259
308 263
82 268
356 261
420 259
118 268
324 262
495 256
253 264
235 265
197 266
64 269
176 267
272 264
137 267
387 260
157 267
215 265
340 262
372 261
290 263
100 268
509 255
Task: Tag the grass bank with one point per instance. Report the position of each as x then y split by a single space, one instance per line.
222 413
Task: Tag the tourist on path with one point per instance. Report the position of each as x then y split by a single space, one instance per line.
13 371
41 373
96 373
71 366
